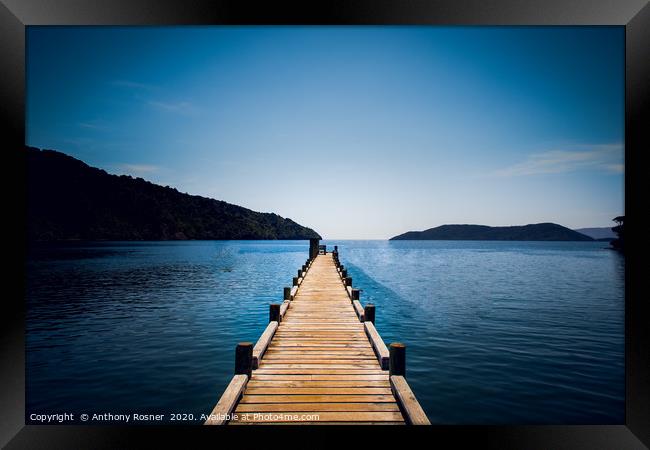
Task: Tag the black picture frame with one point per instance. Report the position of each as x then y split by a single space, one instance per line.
15 15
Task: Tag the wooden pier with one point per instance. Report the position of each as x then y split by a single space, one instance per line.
320 360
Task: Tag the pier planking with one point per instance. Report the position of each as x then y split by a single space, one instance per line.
321 361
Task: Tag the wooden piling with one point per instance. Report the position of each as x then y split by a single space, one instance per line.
397 362
274 312
287 293
313 247
244 359
369 313
348 281
355 294
295 281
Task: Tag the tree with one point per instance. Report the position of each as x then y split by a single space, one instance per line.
619 242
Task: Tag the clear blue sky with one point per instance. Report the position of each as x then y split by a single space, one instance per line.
361 132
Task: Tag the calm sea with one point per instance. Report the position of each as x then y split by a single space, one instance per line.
496 332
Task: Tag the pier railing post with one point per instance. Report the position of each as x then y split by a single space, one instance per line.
369 313
295 281
287 293
355 294
274 312
397 359
244 359
348 281
344 273
313 247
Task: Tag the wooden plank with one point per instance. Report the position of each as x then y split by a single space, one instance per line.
306 407
228 400
318 383
338 365
324 316
323 337
329 356
414 413
284 307
324 423
293 324
263 343
321 315
368 354
320 341
358 332
316 343
336 390
358 309
316 350
378 345
329 416
317 398
318 377
318 359
316 423
318 371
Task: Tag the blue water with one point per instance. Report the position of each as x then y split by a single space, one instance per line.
496 332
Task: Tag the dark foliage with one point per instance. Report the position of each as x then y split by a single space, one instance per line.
533 232
67 199
619 242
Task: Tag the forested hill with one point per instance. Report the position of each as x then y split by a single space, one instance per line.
67 199
532 232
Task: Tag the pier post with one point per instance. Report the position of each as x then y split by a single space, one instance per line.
397 361
355 294
244 359
336 248
348 281
287 293
299 273
344 273
313 247
369 313
295 281
274 312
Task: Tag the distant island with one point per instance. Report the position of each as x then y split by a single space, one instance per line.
532 232
67 199
600 234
